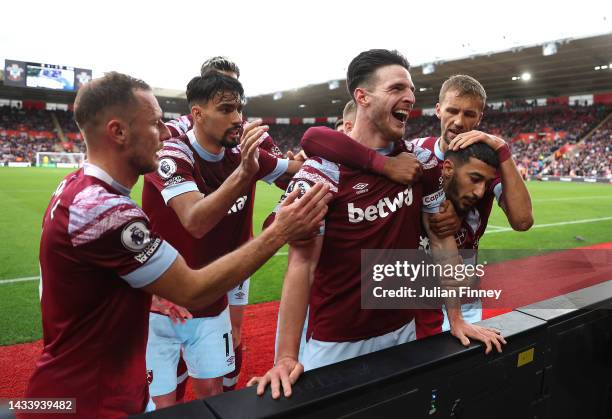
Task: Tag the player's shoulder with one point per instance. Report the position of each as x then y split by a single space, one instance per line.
325 167
180 125
96 210
423 149
424 142
318 170
176 148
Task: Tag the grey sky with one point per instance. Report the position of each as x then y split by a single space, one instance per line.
277 44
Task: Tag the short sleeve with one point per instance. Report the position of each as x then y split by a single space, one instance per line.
175 173
111 232
315 170
271 167
270 146
433 189
495 187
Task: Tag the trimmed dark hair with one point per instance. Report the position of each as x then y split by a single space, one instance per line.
465 86
363 66
219 63
479 151
339 122
112 90
203 89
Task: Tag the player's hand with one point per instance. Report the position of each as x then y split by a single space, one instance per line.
301 156
463 331
175 312
466 139
251 138
285 373
446 222
301 218
404 168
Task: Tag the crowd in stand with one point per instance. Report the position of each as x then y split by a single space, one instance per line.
556 128
23 133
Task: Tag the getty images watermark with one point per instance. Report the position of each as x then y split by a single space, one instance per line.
499 279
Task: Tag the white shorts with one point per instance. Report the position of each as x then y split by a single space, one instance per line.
319 354
207 349
239 296
302 338
472 313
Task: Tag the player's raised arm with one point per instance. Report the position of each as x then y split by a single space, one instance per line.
340 148
199 213
512 193
297 219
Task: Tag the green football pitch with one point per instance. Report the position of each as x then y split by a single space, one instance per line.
566 215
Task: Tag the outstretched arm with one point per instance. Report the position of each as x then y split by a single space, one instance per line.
340 148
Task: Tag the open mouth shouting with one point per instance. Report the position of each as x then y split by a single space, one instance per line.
401 115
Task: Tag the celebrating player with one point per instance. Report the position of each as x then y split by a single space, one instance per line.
100 260
360 217
460 109
238 297
197 202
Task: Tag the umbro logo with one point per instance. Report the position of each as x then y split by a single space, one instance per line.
361 188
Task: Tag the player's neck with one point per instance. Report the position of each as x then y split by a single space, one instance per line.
205 142
367 134
116 169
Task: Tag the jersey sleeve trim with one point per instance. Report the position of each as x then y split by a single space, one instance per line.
155 267
176 190
281 168
497 190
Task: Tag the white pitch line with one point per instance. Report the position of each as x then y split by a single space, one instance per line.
574 198
14 280
36 278
590 220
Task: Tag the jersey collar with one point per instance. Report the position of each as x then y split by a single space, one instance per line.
385 151
437 150
205 155
94 171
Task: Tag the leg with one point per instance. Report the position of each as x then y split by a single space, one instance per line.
238 299
209 353
163 349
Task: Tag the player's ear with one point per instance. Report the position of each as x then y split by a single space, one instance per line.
348 126
438 110
116 129
197 112
361 96
448 169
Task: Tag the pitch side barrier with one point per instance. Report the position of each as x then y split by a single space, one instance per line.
557 364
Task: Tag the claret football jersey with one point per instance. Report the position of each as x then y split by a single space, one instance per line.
97 250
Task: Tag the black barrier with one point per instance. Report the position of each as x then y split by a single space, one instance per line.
557 364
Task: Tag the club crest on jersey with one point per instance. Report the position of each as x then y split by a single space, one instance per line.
167 167
135 236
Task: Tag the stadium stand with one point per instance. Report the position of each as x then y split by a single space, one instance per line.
545 140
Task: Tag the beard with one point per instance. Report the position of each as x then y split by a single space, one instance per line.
452 193
227 142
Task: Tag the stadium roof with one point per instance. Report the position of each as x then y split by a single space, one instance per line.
571 70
